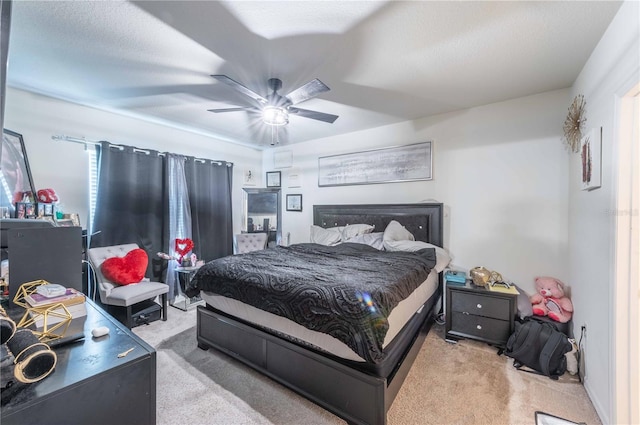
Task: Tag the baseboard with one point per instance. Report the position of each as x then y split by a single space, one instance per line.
602 413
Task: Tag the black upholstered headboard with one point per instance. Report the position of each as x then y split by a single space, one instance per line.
424 221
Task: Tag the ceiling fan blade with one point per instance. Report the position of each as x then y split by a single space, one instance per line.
307 91
240 88
320 116
232 109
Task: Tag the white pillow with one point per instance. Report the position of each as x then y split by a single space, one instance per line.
442 257
352 230
331 236
371 239
397 232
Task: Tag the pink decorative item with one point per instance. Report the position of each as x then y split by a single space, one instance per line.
550 300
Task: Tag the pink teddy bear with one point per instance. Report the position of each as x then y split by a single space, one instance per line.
550 300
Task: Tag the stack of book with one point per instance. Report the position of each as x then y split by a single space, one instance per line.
73 301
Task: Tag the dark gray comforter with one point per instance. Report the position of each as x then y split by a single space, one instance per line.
346 291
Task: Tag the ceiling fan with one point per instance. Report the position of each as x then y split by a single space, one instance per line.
274 108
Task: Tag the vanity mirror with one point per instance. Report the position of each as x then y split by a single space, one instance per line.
262 213
15 174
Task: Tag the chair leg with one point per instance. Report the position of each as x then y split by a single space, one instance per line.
129 319
164 307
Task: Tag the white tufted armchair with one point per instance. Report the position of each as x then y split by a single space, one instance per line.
124 296
246 242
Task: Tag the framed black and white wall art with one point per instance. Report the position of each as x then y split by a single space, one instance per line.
273 178
294 202
386 165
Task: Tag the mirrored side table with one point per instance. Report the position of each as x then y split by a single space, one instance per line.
182 301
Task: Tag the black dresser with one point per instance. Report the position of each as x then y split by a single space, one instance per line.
478 313
90 383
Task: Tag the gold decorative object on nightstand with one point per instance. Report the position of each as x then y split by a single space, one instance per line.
480 276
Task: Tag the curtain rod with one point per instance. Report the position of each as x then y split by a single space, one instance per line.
84 141
73 139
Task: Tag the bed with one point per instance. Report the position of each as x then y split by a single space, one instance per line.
358 386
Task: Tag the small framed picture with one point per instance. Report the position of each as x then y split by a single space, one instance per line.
273 178
48 210
20 210
25 210
294 202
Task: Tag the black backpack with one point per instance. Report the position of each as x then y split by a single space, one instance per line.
539 346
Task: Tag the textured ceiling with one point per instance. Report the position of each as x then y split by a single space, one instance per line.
385 62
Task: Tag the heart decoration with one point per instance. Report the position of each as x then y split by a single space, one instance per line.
47 196
183 247
126 270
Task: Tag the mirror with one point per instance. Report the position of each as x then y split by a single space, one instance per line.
15 174
262 213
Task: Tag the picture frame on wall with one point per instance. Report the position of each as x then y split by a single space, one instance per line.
15 172
591 159
249 177
273 178
294 202
386 165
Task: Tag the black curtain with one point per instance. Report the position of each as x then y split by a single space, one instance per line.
209 184
131 200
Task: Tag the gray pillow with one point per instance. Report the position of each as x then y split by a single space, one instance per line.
331 236
396 232
371 239
352 230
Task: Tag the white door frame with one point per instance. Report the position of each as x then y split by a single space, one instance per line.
626 323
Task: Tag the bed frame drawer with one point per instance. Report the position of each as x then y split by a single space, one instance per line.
357 397
237 341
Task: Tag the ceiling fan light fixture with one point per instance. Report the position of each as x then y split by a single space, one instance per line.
275 116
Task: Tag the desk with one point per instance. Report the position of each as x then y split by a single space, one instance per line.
181 301
90 384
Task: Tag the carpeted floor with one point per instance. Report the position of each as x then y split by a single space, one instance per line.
464 383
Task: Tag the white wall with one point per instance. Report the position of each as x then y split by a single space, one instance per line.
611 71
63 166
500 170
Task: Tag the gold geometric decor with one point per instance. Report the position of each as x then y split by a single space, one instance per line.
574 123
52 321
27 289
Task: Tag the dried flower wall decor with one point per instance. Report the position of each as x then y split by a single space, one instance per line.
574 123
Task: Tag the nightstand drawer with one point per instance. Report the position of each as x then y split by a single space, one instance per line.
484 328
473 303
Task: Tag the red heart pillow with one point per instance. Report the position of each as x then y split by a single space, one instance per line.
128 269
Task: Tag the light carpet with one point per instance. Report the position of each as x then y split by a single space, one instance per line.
464 383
